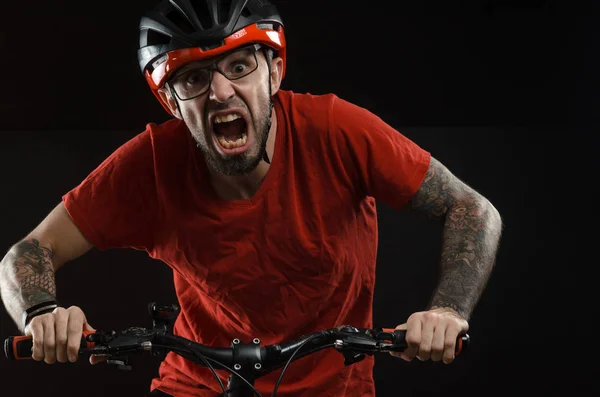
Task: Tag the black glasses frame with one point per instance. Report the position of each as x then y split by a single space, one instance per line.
213 67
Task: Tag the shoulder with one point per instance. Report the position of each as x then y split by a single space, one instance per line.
142 150
172 130
305 105
328 108
158 138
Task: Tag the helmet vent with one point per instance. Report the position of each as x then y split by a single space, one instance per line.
224 8
156 38
258 3
265 26
180 21
203 14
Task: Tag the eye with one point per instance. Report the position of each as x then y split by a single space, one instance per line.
239 68
195 77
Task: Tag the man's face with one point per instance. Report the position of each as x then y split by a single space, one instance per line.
229 121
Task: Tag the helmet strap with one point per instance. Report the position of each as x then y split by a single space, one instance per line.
268 127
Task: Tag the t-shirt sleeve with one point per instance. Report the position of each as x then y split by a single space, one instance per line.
378 159
115 206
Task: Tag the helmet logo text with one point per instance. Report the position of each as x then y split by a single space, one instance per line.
238 34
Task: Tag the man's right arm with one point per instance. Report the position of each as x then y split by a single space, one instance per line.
27 271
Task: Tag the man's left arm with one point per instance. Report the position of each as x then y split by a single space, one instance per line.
472 229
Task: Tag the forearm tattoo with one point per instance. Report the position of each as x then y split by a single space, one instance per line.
27 276
472 228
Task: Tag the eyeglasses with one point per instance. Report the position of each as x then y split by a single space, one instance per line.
193 81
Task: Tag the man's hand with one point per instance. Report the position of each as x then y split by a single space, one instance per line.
57 335
432 335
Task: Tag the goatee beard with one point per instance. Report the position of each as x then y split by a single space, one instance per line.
238 164
235 165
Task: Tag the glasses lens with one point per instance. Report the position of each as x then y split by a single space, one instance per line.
191 83
238 64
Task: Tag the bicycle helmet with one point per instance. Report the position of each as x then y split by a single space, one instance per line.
176 32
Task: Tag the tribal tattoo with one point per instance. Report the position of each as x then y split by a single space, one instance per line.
472 228
27 275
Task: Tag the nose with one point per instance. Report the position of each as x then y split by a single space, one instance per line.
221 88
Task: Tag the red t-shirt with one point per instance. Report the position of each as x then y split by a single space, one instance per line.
298 257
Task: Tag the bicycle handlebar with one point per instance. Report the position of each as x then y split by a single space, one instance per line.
247 361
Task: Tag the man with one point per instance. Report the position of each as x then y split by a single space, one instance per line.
262 201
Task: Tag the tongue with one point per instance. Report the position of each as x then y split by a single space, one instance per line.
231 130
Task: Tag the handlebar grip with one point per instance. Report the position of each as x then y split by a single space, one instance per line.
462 341
21 347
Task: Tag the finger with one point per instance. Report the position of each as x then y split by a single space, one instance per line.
450 345
427 330
413 338
61 318
402 327
74 334
438 343
95 359
88 327
36 330
402 355
49 340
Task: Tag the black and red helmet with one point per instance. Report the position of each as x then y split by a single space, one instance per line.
176 32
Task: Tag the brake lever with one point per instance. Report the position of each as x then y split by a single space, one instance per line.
109 344
354 344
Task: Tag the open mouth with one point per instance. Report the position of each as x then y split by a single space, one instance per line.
231 132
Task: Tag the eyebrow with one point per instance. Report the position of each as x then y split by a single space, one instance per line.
208 62
193 65
186 68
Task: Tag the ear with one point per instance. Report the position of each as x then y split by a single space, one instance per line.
165 95
276 74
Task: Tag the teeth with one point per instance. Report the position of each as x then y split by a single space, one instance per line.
227 144
227 118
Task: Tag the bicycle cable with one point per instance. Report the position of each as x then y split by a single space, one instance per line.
204 360
290 360
235 373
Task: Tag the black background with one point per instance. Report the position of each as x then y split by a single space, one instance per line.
502 92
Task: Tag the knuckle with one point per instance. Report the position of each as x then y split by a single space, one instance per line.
412 339
425 350
429 316
38 347
38 321
74 310
75 327
73 346
60 310
46 317
37 343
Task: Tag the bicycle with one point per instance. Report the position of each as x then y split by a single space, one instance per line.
245 362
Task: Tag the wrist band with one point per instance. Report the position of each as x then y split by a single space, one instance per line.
36 310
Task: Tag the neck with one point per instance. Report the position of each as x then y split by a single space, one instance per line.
245 186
